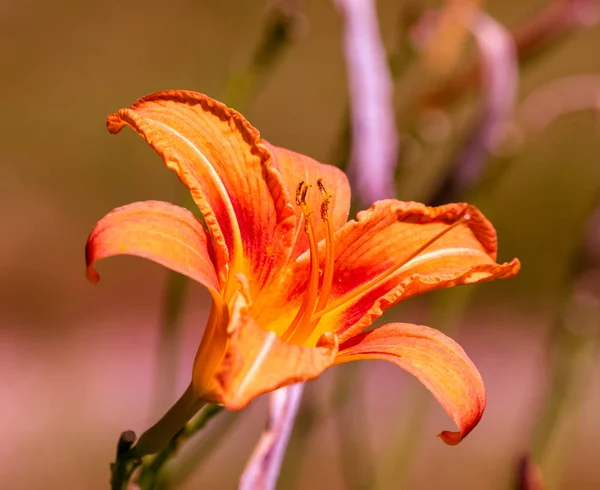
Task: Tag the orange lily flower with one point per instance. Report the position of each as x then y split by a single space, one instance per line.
294 285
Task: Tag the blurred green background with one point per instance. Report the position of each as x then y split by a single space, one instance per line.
78 363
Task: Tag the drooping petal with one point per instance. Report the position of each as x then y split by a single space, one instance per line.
434 359
257 361
218 155
158 231
375 266
295 168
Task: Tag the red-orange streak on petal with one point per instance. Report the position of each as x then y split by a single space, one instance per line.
257 361
382 239
295 168
158 231
436 360
218 155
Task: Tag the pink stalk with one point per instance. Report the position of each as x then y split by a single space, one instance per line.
374 136
500 83
263 468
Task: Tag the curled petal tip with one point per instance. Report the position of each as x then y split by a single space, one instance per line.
451 438
511 269
434 359
92 275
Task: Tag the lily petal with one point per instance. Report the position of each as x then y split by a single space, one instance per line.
218 155
158 231
257 361
434 359
384 240
295 168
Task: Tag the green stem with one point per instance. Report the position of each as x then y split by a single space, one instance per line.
178 470
277 35
173 421
123 467
151 469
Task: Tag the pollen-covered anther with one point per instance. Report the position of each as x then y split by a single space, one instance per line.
325 210
326 200
299 192
303 194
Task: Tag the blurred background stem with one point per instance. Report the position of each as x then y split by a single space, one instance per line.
349 411
574 340
573 346
447 311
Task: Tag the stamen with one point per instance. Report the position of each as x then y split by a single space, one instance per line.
329 248
302 318
308 323
303 195
386 275
299 192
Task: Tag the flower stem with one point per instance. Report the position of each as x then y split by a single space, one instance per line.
124 465
148 479
178 470
167 427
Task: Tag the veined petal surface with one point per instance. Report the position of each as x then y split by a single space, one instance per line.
219 156
158 231
434 359
376 266
295 168
257 361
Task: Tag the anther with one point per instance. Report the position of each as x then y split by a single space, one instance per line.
325 209
326 200
303 194
321 186
299 192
